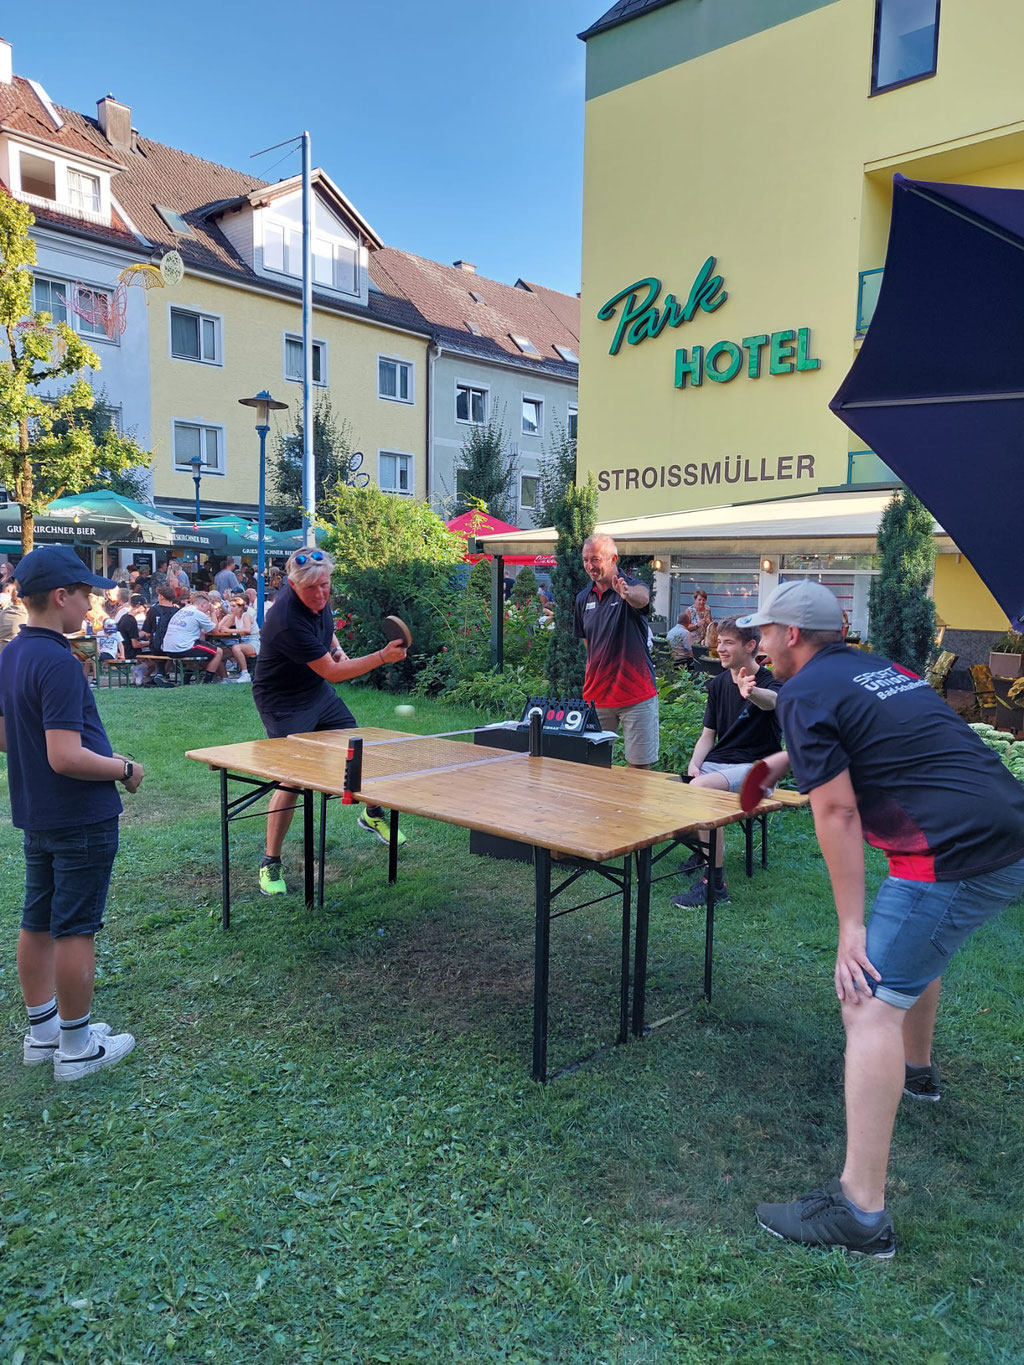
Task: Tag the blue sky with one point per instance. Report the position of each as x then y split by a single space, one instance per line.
454 126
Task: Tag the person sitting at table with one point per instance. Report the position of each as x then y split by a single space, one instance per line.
152 636
185 638
740 726
239 636
680 640
13 616
109 645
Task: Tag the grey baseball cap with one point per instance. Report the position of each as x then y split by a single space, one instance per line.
801 602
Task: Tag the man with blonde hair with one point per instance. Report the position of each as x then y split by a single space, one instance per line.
300 661
611 619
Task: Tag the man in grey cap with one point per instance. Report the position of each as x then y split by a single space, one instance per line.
882 756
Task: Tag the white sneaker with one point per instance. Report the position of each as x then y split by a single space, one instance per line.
244 676
37 1053
104 1050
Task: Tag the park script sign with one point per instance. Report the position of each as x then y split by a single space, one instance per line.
638 316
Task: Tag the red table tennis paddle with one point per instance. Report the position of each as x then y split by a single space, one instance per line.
396 629
753 790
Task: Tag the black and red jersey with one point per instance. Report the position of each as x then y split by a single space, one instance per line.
937 801
620 670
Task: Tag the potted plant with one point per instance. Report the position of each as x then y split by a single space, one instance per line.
1006 656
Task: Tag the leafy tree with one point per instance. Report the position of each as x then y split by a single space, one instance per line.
902 613
394 557
332 454
488 471
48 446
574 519
524 589
557 473
479 584
128 483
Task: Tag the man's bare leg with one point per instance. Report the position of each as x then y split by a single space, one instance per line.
715 782
874 1085
919 1025
279 818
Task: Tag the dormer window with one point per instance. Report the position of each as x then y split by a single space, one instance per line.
84 191
56 182
335 250
38 176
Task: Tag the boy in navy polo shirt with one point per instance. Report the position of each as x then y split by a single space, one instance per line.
885 761
63 780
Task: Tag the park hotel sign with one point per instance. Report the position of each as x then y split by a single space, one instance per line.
639 313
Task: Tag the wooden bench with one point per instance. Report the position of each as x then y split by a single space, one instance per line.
181 666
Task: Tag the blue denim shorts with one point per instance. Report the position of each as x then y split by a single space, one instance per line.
67 873
916 927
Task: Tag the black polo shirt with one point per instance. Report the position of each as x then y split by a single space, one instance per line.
292 638
620 670
43 687
938 802
743 732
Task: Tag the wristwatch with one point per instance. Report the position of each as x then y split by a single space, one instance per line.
129 770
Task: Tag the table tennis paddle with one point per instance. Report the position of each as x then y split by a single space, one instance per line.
396 629
754 784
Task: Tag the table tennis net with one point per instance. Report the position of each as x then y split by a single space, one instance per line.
426 754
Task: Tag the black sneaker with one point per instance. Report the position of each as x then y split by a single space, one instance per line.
162 680
697 896
922 1083
694 863
824 1218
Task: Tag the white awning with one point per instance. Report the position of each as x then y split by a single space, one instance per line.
835 523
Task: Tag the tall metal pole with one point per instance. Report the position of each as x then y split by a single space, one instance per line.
308 462
261 544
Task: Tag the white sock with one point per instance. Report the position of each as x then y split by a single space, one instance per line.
75 1036
43 1024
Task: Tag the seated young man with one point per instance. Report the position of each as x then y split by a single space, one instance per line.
740 726
185 637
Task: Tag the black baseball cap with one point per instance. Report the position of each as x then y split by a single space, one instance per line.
54 566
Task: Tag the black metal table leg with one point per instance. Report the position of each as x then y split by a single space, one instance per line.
308 845
225 854
748 840
709 922
393 848
323 852
627 903
541 960
643 919
764 839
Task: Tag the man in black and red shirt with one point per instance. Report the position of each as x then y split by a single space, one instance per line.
611 618
887 761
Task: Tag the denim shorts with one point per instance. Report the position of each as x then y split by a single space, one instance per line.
916 927
67 873
639 729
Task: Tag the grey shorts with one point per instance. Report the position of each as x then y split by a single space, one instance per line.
639 729
734 773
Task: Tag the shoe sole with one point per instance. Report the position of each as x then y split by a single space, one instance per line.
283 892
44 1053
101 1065
384 838
928 1099
836 1246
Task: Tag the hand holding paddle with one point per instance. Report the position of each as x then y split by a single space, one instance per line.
399 638
761 779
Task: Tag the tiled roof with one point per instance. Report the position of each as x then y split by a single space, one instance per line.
150 173
620 13
443 294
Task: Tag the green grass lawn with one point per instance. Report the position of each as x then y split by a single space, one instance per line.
326 1147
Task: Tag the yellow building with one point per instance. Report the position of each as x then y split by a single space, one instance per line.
738 169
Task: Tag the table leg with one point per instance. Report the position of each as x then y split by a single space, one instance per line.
627 905
323 852
225 854
393 848
709 922
748 841
764 840
308 845
643 918
541 960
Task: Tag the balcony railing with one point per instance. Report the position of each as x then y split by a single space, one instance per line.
870 282
71 210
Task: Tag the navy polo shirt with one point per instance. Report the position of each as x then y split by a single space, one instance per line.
620 670
43 687
936 800
292 638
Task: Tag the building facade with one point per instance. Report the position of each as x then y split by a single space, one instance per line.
738 171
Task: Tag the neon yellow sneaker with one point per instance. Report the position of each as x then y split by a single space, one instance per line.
272 879
379 825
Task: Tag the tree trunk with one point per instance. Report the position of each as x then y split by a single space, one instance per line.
23 491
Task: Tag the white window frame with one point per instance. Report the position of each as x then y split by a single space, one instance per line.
74 190
571 411
472 384
537 435
76 323
526 506
320 383
204 426
218 335
383 453
398 362
321 244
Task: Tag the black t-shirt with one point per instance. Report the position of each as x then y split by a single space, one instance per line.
620 671
291 639
129 630
743 732
931 795
155 625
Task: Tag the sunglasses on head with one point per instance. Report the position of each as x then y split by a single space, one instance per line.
317 556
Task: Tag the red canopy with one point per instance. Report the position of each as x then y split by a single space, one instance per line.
483 524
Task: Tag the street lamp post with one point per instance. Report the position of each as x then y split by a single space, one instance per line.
264 405
197 473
